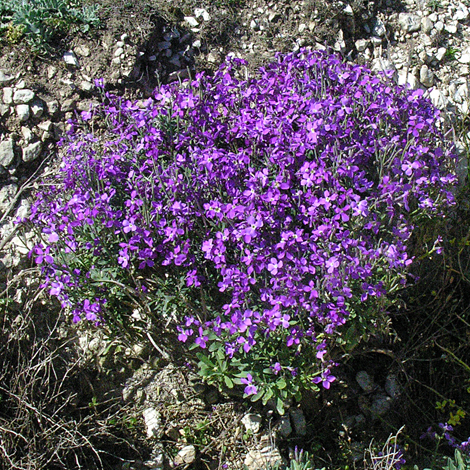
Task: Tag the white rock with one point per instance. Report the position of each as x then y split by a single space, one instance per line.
461 94
23 96
4 110
202 13
365 381
409 23
6 152
85 85
302 27
426 25
32 151
118 52
185 456
461 14
71 59
408 79
52 107
82 50
439 26
441 52
152 422
8 95
27 134
268 457
361 44
426 76
438 99
254 25
252 422
451 28
381 64
191 21
465 57
51 71
23 112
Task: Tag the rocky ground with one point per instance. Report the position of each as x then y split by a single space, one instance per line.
169 416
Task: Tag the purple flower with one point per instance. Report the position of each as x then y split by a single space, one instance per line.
250 389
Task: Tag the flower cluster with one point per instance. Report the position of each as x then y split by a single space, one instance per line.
286 202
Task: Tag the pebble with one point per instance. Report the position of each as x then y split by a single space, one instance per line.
31 152
191 21
23 112
409 22
185 456
71 59
202 13
7 193
426 25
82 50
37 108
68 105
361 45
6 152
8 95
378 28
267 457
252 422
426 76
52 107
438 99
152 422
23 96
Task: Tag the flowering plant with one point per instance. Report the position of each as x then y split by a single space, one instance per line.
273 212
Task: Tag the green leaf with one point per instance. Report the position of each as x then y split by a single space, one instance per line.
269 393
228 381
280 406
281 383
204 359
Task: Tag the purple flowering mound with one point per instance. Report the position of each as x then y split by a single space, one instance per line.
275 209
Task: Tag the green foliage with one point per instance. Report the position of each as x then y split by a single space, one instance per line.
300 461
460 462
38 21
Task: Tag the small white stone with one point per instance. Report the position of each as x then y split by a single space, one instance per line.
438 99
31 152
23 96
23 112
465 57
191 21
152 422
252 422
441 52
124 37
426 25
361 45
116 60
439 26
71 59
8 95
202 12
186 455
82 50
37 108
118 52
451 28
6 152
426 76
302 27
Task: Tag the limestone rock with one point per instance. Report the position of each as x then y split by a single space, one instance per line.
152 422
186 455
23 96
7 193
71 59
6 152
23 112
252 422
426 76
32 151
8 95
409 22
267 457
